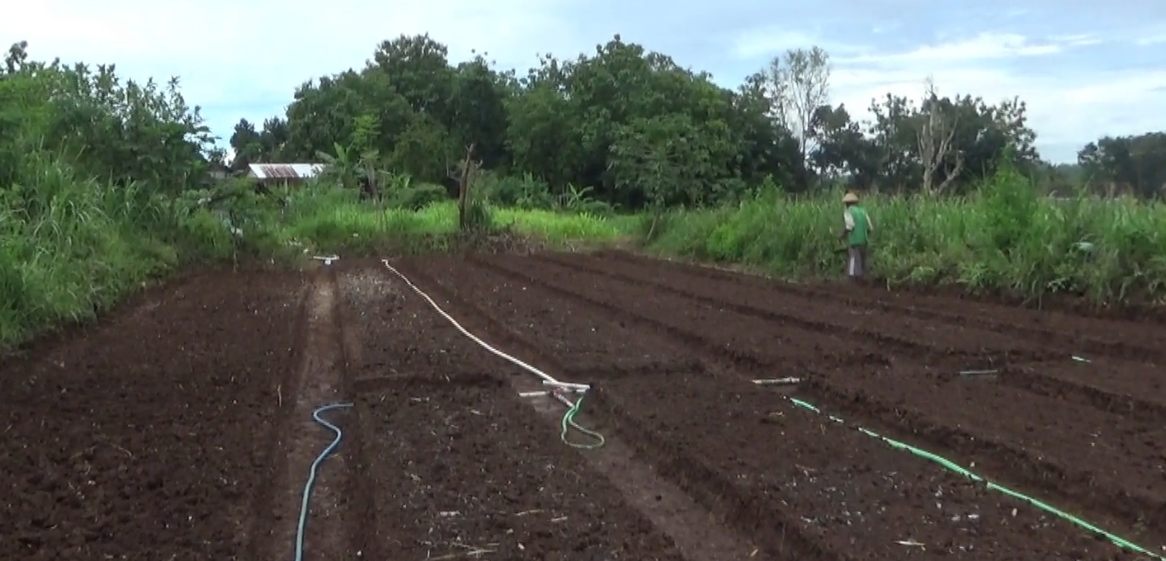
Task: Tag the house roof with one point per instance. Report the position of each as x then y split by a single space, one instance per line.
284 171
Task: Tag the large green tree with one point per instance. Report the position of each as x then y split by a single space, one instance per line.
1126 164
634 128
125 131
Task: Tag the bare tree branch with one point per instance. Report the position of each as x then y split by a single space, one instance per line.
935 134
799 83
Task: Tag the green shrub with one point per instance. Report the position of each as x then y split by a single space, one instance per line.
1003 238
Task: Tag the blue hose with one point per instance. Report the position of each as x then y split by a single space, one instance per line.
299 556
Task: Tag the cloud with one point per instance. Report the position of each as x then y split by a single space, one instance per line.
1077 86
241 60
981 47
1085 69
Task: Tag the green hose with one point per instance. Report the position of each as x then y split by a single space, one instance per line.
569 423
1115 539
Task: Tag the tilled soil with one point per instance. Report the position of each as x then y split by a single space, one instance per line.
581 340
810 488
1047 444
152 437
776 348
179 428
1090 335
465 468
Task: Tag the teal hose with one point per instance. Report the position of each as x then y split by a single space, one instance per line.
299 554
569 423
950 465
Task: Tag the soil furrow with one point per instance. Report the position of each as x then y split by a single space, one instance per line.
319 382
906 334
362 528
756 345
1082 335
1029 473
1132 390
1043 444
691 528
575 339
808 488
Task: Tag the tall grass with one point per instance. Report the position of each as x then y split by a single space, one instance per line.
1004 238
71 246
334 220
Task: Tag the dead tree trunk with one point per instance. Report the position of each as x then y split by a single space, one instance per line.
464 182
936 131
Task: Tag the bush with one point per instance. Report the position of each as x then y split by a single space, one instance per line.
418 197
1003 238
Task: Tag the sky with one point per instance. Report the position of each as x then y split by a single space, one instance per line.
1085 68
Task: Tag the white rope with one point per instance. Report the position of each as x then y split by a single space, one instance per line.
547 378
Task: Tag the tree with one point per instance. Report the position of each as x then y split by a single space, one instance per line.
936 129
128 132
800 84
248 145
842 148
633 129
1126 164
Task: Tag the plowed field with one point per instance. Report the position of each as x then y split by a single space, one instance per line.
182 426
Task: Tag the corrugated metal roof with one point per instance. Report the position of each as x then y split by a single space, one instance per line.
285 171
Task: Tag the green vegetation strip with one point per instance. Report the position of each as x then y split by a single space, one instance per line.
1117 540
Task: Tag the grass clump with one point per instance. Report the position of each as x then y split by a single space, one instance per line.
1004 238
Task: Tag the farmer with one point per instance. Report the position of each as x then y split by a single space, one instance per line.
858 228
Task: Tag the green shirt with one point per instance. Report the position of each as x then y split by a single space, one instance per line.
858 225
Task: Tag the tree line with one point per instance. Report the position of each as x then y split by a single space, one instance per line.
638 129
630 127
100 126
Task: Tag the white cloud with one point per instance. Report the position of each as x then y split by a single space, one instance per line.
1058 110
227 52
981 47
1066 108
772 40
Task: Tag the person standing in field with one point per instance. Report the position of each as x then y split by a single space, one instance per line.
858 228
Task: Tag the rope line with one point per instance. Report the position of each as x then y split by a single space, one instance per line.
573 408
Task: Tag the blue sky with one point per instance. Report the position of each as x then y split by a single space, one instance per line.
1085 68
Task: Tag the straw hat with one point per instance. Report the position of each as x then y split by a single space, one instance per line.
850 198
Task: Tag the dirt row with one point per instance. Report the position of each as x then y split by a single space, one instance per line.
154 434
730 464
578 340
1125 387
1086 335
1121 386
938 408
809 488
894 332
181 427
454 463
